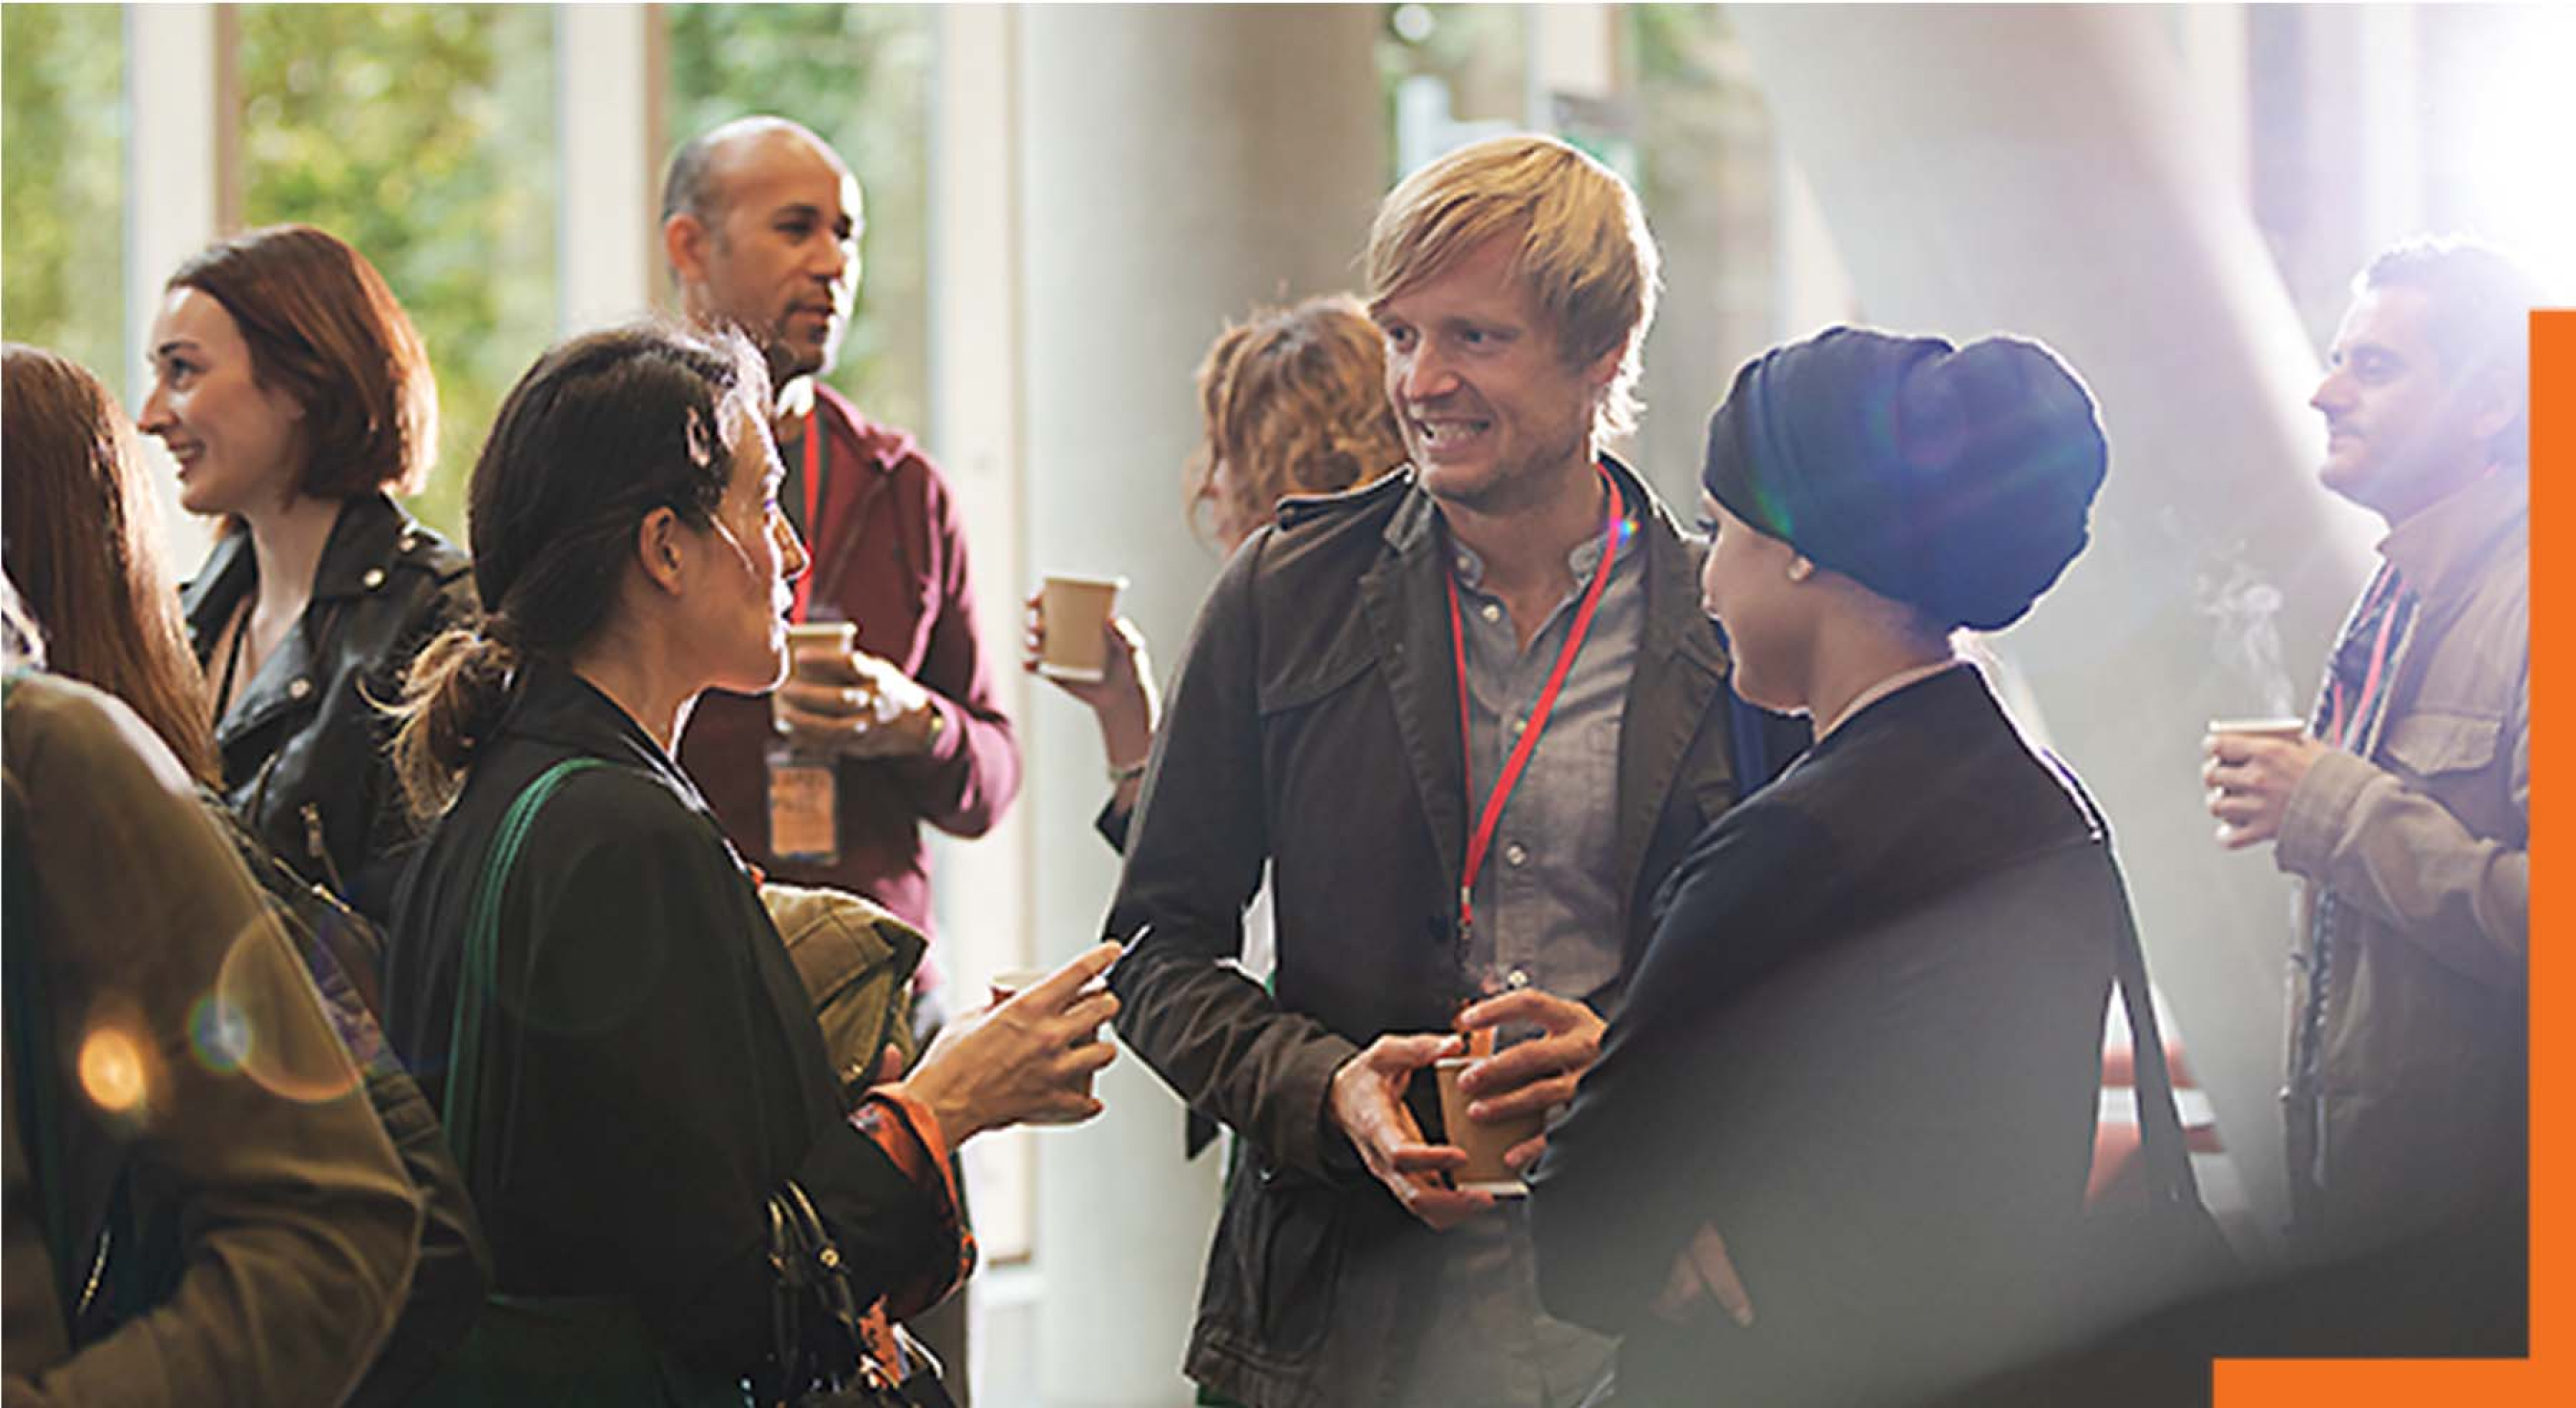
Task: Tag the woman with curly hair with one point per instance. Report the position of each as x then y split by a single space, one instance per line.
1292 402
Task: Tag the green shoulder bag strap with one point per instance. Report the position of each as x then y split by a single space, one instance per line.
478 977
558 1351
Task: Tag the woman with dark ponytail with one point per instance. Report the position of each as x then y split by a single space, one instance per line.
581 966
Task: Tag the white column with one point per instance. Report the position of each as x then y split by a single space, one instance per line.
1176 165
975 411
1572 49
607 175
2211 42
177 62
2054 182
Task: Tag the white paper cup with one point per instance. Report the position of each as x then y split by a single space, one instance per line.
1073 611
2282 726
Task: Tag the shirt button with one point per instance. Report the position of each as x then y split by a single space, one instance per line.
1516 980
1492 611
1516 854
375 578
302 687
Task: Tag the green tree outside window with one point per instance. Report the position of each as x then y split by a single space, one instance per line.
62 188
859 76
424 135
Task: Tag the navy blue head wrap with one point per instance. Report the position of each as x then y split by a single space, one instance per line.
1956 479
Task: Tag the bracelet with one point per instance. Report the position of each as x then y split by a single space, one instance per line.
1119 776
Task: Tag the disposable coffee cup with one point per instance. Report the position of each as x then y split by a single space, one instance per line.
2283 726
840 636
1011 982
1073 612
1485 1141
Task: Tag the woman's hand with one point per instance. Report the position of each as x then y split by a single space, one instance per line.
1702 1273
1027 1060
1122 700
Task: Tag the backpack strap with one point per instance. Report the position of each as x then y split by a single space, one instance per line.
478 976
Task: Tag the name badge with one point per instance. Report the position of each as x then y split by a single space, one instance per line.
804 810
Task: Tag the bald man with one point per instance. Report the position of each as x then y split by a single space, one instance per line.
761 222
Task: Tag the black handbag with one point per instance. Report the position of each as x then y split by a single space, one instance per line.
822 1358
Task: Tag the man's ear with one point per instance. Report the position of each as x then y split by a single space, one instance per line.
2492 404
684 242
659 551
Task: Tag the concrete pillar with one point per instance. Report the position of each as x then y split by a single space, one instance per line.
180 148
608 240
1177 164
2038 169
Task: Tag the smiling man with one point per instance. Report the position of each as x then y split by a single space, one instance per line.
1467 719
2406 816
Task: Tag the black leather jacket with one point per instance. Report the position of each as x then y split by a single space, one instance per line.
304 744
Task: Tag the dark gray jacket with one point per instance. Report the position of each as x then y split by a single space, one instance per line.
1313 729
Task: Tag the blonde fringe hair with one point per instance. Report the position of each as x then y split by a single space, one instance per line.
1585 250
1293 401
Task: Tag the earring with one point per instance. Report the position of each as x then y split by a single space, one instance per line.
1800 569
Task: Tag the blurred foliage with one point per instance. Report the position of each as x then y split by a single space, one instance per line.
62 189
424 135
1480 51
859 76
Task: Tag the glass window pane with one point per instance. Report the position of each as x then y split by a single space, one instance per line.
859 76
424 135
62 189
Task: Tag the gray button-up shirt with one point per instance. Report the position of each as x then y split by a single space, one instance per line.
1546 916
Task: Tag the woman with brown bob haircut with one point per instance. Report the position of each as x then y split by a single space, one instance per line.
1292 401
296 398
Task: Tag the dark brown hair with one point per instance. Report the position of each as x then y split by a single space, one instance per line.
1293 400
81 545
603 430
2479 305
323 327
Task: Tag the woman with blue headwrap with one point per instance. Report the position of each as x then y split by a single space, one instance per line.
1852 1090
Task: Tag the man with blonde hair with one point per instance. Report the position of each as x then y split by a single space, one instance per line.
1467 718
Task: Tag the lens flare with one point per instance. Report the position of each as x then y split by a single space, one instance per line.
113 1072
219 1034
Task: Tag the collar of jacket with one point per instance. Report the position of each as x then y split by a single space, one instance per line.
2447 549
1674 622
370 538
1671 697
555 706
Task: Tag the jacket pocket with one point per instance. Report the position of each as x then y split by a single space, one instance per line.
2430 744
1282 1240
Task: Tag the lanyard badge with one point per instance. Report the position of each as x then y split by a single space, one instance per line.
1481 840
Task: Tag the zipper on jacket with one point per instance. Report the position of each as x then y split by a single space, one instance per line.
313 846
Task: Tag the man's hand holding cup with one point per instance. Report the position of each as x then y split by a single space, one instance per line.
1516 1087
2251 766
841 699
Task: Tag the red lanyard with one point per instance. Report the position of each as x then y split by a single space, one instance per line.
1613 529
813 507
2341 729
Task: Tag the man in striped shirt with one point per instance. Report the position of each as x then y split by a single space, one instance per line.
2405 815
